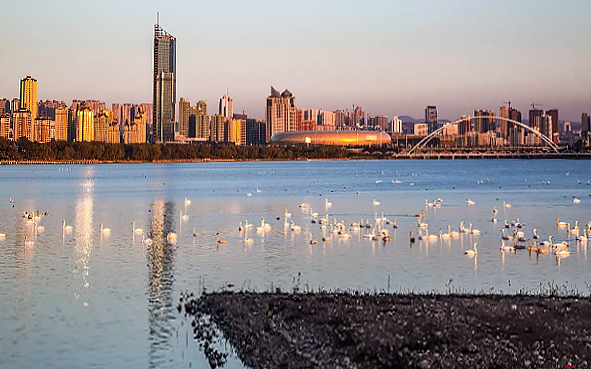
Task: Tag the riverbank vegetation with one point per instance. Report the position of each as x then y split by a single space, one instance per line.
25 150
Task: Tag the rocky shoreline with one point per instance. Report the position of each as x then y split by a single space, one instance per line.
348 330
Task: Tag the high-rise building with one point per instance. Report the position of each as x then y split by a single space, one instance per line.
226 106
15 105
5 126
43 130
29 95
218 128
326 118
431 118
62 120
135 131
102 121
553 113
484 121
585 123
22 125
358 117
4 106
381 121
281 113
535 119
547 125
256 132
396 125
235 131
84 124
164 85
184 113
199 121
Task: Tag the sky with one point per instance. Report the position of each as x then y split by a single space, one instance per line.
392 57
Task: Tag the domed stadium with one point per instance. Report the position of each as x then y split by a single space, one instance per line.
333 138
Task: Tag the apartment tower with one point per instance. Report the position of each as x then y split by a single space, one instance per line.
29 95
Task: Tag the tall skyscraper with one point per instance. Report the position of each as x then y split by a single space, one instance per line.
431 118
226 106
281 113
29 95
164 84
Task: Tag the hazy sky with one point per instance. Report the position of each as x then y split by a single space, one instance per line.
392 57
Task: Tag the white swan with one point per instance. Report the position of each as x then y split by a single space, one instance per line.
506 248
195 234
105 230
445 235
560 224
562 253
470 202
312 241
146 241
65 227
474 231
472 252
171 237
187 202
327 203
287 215
506 204
576 200
375 203
183 217
136 230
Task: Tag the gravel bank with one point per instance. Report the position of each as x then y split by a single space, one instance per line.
330 330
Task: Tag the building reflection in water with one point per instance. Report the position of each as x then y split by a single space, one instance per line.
83 229
160 257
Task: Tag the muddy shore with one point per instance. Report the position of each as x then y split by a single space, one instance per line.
343 330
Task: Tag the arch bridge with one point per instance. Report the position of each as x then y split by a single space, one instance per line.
421 144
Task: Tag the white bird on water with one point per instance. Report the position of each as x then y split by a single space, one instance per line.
472 252
65 227
375 203
136 230
105 230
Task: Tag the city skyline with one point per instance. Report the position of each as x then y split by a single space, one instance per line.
392 58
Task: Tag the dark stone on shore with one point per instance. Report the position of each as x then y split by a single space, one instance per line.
342 330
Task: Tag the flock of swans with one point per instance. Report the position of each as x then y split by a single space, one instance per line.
514 234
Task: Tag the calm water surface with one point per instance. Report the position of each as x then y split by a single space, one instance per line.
82 298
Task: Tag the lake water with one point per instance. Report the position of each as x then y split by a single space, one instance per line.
82 298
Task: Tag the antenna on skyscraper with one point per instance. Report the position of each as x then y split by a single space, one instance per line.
508 104
157 18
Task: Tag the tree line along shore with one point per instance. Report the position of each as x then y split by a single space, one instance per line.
24 151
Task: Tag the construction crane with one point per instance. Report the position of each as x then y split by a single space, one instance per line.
533 105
